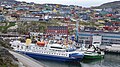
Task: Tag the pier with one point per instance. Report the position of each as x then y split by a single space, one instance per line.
111 48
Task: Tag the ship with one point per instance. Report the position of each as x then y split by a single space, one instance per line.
49 51
93 51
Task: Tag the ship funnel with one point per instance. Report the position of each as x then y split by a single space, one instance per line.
28 42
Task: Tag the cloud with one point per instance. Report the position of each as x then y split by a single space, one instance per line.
85 3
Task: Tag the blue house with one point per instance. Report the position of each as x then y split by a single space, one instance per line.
2 18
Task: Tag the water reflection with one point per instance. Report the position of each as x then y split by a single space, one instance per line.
110 60
59 64
89 61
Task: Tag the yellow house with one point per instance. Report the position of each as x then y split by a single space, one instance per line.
101 21
54 10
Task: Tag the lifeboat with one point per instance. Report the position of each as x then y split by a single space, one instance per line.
40 43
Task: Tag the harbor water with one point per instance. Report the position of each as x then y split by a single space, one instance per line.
110 60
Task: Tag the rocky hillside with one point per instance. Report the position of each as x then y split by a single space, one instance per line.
5 43
6 59
115 5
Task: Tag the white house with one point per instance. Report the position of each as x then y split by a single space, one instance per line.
30 19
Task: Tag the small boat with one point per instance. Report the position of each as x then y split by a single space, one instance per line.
49 51
93 53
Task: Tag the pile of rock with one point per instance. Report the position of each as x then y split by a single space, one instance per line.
7 59
5 43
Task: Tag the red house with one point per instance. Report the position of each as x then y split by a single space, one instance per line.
57 30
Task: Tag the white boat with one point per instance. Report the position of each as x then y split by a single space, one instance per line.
50 51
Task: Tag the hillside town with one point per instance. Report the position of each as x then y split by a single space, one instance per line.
53 27
14 13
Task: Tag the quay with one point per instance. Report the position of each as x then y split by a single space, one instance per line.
111 49
27 61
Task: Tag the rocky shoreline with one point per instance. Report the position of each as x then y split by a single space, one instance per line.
7 59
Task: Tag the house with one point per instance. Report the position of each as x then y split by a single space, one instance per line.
10 19
35 33
1 8
22 8
2 18
30 19
57 30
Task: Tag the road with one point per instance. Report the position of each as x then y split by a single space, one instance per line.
26 61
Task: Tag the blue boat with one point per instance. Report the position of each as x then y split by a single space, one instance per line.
57 52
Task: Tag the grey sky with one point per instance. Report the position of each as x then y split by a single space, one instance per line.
85 3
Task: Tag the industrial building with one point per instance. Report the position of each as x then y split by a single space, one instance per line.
108 38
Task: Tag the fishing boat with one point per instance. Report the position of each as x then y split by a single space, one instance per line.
93 52
49 51
93 55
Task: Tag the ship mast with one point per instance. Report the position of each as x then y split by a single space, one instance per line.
67 32
67 21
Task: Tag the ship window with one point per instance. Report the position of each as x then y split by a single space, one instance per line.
56 47
18 46
21 47
96 42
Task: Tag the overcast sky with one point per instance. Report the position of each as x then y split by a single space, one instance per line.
85 3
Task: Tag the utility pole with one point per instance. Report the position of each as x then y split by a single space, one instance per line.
77 26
